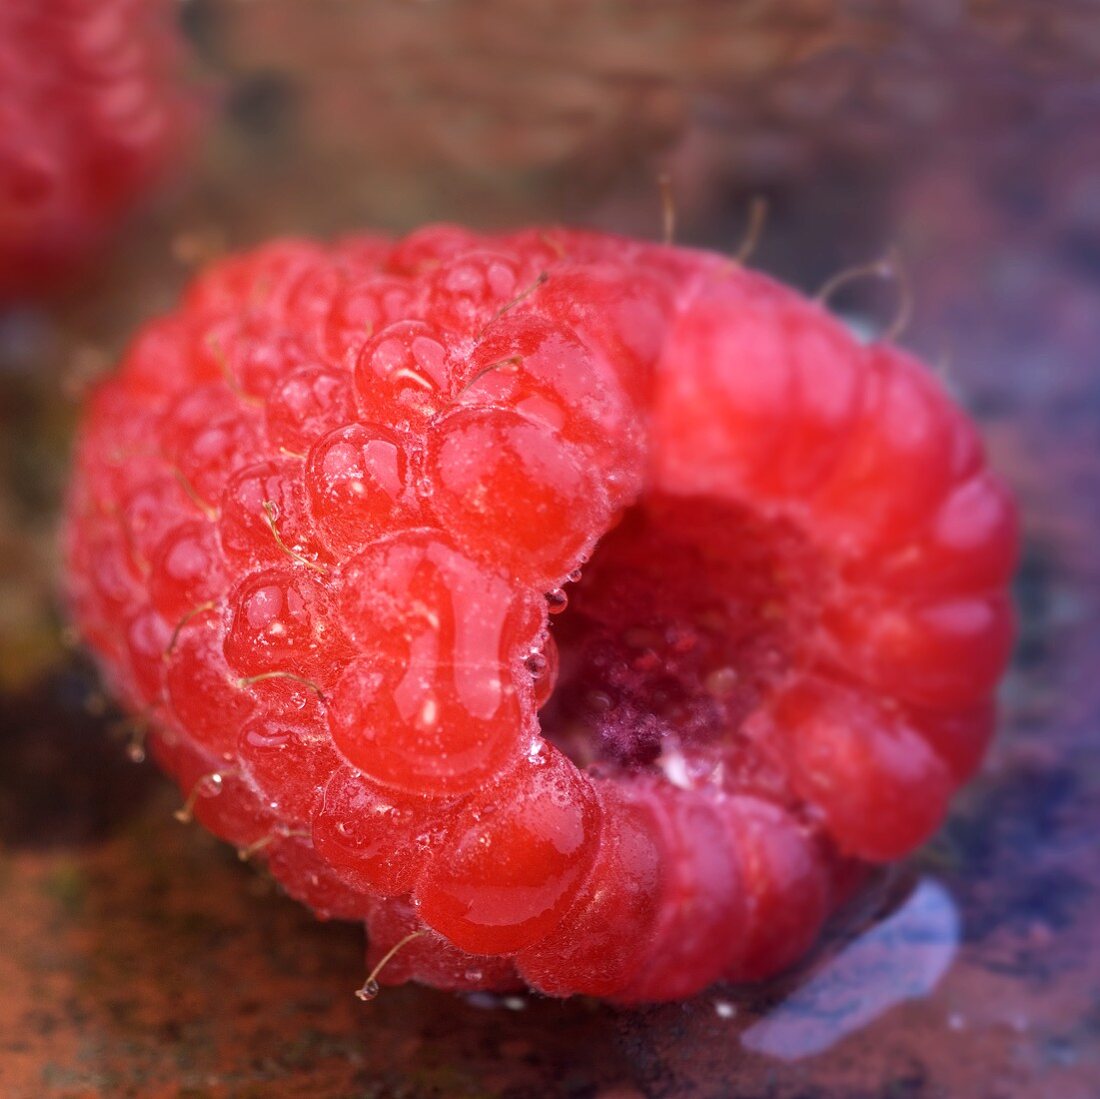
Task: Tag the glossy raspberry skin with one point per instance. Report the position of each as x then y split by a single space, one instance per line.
93 110
587 610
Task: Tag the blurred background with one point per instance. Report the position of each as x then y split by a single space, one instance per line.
959 136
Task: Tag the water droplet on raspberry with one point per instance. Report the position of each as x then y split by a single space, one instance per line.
542 370
557 600
357 482
263 517
281 621
210 785
403 372
506 877
546 660
496 471
425 726
598 702
369 991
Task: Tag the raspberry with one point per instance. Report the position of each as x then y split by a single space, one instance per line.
92 111
572 611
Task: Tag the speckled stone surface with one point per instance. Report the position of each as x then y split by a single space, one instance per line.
140 958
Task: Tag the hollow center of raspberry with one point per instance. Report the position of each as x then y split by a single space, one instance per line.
688 614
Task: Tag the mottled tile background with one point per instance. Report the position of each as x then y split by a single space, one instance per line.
141 958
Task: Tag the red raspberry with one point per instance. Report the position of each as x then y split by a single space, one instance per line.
91 112
569 609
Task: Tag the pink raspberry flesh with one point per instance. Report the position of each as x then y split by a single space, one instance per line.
575 612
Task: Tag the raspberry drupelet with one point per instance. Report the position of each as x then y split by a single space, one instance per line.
93 109
576 612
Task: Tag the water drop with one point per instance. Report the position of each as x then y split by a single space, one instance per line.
206 786
369 990
424 487
556 601
536 664
574 576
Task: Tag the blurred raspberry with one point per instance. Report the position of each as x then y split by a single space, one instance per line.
92 112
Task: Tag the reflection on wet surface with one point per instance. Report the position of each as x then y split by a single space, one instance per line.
900 958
